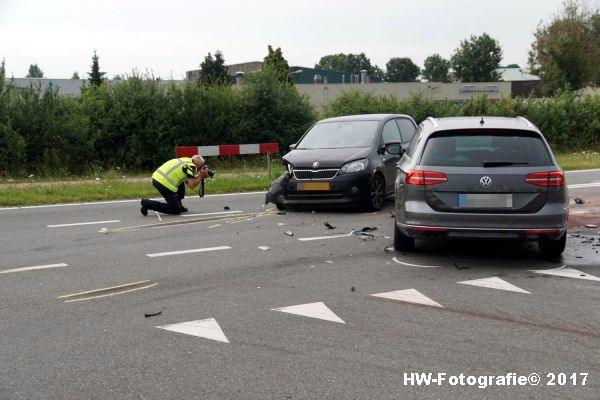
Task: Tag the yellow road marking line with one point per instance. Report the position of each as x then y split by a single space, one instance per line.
103 289
111 294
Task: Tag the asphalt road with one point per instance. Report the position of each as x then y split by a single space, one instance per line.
62 338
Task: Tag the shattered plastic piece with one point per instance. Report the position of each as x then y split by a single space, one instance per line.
226 208
288 233
389 249
329 262
352 289
369 229
458 267
263 248
103 230
579 200
328 225
392 214
147 315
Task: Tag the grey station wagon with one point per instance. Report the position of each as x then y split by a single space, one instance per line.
480 178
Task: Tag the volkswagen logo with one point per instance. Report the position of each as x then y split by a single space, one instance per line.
485 181
316 164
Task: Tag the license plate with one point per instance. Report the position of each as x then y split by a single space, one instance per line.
485 200
314 186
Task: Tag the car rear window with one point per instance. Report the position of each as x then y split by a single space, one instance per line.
335 135
476 148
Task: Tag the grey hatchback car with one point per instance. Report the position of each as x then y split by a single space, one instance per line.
480 178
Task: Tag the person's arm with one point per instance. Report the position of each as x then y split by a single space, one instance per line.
194 182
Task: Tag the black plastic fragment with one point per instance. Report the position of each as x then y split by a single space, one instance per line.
148 315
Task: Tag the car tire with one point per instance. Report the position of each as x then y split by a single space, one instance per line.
279 206
553 248
376 193
401 241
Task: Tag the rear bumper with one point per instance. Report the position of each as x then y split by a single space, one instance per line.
419 220
440 232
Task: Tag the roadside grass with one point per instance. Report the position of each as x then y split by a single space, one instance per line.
249 175
581 160
120 189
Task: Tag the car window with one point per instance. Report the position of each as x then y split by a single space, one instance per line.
474 148
390 132
335 135
415 141
407 130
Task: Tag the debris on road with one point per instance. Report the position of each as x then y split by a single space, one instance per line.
280 224
103 230
392 214
369 229
158 216
148 315
281 213
389 249
579 200
329 262
288 233
328 225
263 248
363 235
458 267
352 289
226 208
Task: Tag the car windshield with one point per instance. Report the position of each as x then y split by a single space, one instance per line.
499 148
335 135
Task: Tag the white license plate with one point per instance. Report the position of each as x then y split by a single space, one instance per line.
485 200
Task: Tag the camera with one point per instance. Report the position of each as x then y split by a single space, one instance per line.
211 173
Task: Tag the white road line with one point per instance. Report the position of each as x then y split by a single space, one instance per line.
494 283
566 272
205 328
313 310
582 170
212 213
307 239
172 253
409 296
112 221
51 205
583 185
8 271
416 265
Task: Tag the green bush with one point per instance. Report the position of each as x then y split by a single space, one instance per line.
569 122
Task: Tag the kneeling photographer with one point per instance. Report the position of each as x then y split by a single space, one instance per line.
170 178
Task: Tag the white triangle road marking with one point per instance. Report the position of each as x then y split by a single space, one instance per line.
495 283
204 328
409 296
313 310
567 273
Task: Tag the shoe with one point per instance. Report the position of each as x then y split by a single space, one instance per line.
144 209
183 209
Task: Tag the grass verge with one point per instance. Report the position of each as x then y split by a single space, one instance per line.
112 186
117 189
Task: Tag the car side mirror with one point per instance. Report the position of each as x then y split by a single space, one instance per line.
394 149
293 146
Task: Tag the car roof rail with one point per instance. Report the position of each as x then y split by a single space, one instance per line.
433 122
529 124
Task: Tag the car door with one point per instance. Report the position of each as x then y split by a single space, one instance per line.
390 133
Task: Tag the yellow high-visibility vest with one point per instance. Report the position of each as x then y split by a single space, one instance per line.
172 173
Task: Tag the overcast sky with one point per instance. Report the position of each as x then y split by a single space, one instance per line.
171 37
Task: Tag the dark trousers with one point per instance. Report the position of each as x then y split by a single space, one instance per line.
173 199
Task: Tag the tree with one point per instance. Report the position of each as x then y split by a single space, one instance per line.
34 72
350 63
213 70
117 77
477 59
401 69
278 64
436 69
75 75
566 51
95 77
513 66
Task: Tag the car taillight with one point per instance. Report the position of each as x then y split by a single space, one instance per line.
425 177
555 178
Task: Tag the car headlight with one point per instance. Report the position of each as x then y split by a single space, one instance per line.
355 166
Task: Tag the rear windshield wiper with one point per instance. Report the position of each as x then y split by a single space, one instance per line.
487 164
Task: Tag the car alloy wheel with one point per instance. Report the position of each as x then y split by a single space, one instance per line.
376 193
